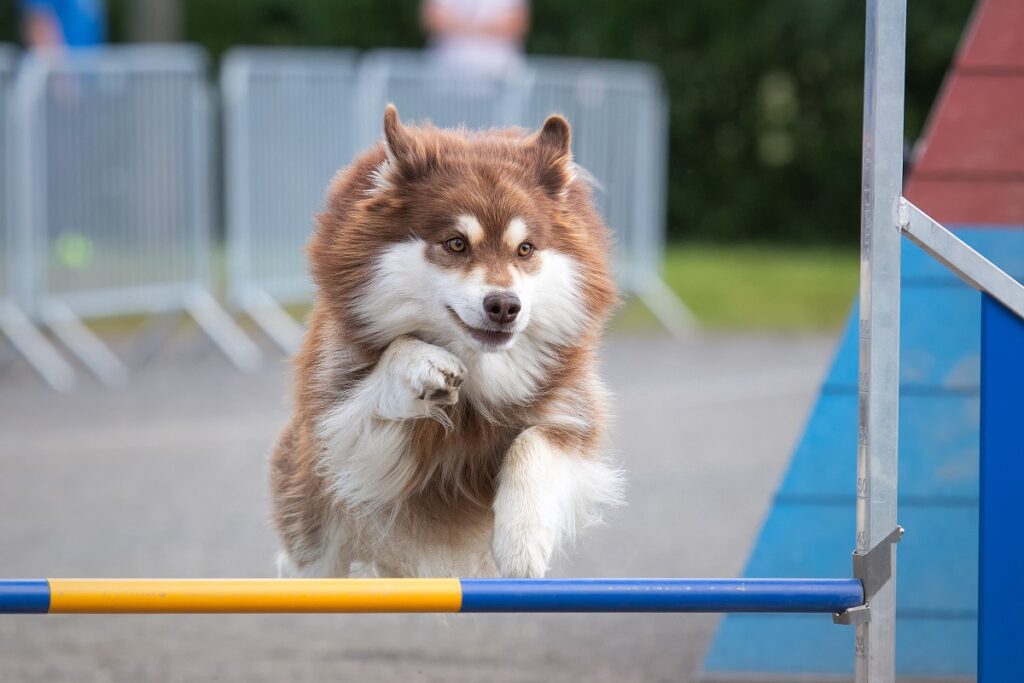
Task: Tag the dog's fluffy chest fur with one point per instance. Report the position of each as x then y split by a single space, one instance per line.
448 414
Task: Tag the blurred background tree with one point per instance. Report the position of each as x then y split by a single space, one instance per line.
765 97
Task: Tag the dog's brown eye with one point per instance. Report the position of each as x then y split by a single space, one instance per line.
525 249
456 244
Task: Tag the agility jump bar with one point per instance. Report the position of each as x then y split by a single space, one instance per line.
153 596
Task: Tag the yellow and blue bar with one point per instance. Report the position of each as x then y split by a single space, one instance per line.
152 596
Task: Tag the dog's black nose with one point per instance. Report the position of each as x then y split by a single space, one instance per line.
502 307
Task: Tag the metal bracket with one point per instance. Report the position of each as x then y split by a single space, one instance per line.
902 213
853 616
873 568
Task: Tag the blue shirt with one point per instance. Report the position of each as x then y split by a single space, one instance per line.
83 22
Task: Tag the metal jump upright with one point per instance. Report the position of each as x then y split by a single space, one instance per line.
867 600
885 215
878 380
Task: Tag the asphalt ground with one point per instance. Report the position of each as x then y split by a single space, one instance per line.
166 477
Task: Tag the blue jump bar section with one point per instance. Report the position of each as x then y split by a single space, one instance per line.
24 596
661 595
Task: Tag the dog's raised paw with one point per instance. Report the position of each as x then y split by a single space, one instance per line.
436 376
431 375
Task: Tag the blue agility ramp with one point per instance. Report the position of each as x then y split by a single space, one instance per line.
1001 561
813 511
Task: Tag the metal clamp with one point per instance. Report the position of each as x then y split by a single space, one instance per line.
874 569
853 616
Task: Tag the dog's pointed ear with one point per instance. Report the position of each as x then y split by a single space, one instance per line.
396 137
552 149
555 135
409 154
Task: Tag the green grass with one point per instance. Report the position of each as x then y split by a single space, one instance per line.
764 287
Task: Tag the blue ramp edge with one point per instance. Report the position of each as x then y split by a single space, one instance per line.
1000 637
809 529
24 596
771 643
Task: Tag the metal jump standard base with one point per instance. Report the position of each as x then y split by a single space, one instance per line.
866 601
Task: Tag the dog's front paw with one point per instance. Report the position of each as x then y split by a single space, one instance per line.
421 378
522 555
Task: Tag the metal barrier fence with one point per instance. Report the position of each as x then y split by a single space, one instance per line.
8 59
293 116
110 208
619 115
112 196
423 89
288 127
14 322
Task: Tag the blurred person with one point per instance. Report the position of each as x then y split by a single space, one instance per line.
478 35
55 24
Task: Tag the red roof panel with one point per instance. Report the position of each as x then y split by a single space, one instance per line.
995 39
969 202
970 161
977 127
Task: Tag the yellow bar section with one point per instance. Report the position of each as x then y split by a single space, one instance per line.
150 596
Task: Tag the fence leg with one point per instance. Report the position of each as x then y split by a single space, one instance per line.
1001 536
223 331
81 341
36 349
274 320
668 308
154 336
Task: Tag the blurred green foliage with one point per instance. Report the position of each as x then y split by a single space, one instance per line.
765 101
8 22
765 96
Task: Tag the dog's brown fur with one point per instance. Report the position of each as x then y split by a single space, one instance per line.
433 176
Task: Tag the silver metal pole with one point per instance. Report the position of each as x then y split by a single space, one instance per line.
878 419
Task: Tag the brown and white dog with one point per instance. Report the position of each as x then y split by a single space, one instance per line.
448 413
